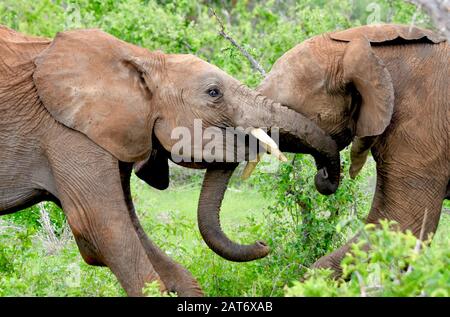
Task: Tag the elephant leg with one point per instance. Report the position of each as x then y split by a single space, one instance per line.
447 195
333 260
89 189
403 195
407 195
175 277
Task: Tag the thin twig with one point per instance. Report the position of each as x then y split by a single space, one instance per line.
50 240
244 52
421 237
422 231
413 19
47 225
4 226
362 286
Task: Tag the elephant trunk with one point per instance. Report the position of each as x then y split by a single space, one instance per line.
211 196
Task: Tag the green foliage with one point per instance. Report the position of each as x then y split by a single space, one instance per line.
307 217
300 225
27 269
153 290
396 264
30 217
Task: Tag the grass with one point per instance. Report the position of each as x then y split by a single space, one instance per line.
238 204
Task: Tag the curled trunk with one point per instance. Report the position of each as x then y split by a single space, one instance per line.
211 196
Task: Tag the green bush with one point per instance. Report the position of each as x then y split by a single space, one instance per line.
397 264
27 269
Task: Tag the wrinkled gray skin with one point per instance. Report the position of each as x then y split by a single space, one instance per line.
384 87
78 111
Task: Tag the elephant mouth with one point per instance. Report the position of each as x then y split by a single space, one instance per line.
343 138
232 146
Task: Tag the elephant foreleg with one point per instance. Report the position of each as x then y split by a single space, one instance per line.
89 189
175 277
403 195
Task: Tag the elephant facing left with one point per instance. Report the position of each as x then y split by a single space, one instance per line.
78 112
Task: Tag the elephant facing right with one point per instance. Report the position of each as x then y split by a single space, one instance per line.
386 89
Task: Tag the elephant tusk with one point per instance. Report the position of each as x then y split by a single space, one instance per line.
268 143
250 167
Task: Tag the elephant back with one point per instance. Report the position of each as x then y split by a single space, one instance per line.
388 33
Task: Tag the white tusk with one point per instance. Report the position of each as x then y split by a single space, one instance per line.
250 167
268 143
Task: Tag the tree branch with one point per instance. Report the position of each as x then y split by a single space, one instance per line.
244 52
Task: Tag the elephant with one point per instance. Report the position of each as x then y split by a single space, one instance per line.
81 111
384 89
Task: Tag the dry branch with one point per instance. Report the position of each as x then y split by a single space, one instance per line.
422 232
47 235
244 52
419 241
47 225
362 286
439 11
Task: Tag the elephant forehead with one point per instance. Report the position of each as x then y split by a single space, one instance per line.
296 74
188 69
302 62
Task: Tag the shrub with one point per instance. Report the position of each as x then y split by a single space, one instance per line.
397 264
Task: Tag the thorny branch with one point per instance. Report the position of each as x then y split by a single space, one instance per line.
439 11
244 52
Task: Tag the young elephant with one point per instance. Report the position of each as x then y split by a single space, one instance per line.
78 111
384 87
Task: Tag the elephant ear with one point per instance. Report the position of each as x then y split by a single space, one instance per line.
385 33
90 81
367 73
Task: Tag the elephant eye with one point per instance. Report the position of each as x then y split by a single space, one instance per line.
214 92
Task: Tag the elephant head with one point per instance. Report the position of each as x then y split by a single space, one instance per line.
129 101
342 87
338 81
